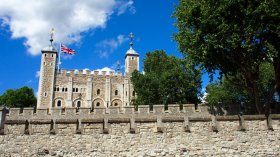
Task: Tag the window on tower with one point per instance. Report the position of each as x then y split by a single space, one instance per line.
116 92
133 93
58 103
79 103
98 92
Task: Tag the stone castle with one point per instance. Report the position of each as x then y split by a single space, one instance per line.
85 113
84 88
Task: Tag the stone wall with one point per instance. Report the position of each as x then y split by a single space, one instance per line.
126 132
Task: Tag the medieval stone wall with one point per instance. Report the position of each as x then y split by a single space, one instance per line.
147 131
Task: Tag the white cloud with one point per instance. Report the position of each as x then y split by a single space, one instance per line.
29 81
37 75
106 47
33 19
117 65
127 6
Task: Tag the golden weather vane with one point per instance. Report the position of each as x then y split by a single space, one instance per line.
52 34
118 65
131 36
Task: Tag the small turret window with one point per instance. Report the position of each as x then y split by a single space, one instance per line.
62 89
116 92
98 92
65 89
58 103
78 103
133 93
45 55
98 104
116 104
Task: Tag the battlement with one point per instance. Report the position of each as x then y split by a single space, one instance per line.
132 132
88 72
74 113
26 119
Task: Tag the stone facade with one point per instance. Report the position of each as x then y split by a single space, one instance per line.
84 88
144 132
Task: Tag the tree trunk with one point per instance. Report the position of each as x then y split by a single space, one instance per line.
253 85
256 92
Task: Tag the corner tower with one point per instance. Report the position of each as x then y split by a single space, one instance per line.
131 58
47 76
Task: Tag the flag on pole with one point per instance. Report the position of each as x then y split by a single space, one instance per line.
66 50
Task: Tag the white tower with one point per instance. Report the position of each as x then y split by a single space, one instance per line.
131 58
47 73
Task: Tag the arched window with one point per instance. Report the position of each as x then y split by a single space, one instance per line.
133 93
79 103
116 104
62 89
98 104
65 89
58 104
116 92
98 92
76 89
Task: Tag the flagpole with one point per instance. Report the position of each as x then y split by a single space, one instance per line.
59 57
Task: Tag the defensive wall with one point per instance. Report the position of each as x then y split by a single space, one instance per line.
158 131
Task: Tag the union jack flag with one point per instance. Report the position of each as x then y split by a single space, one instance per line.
66 50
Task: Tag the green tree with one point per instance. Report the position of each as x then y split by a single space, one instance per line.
22 97
227 93
167 79
234 37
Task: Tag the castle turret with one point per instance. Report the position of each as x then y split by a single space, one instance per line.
131 59
47 73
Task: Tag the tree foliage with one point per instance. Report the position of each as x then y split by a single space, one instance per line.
22 97
167 79
234 37
227 93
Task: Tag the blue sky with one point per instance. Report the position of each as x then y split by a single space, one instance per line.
97 30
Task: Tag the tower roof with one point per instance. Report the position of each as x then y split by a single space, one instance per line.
50 48
131 51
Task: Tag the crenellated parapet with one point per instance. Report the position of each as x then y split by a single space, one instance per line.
131 111
159 118
87 73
